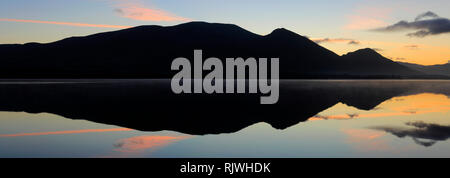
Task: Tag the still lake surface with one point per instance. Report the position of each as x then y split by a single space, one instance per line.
315 118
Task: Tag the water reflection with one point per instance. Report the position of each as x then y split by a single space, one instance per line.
366 140
66 132
420 130
433 106
345 119
140 143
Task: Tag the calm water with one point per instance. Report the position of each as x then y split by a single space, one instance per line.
119 118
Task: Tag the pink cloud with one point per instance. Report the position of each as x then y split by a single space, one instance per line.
368 18
137 11
364 23
64 23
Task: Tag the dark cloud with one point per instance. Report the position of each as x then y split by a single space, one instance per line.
119 144
119 11
425 15
355 115
423 142
322 117
411 111
353 42
330 40
425 24
414 47
321 40
337 40
420 130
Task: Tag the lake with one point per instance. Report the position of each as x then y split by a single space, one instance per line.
143 118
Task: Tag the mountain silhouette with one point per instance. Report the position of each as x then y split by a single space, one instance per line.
147 52
369 62
440 69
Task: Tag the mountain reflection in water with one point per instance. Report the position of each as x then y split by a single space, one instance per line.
373 117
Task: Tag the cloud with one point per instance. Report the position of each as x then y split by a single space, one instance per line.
64 23
420 130
353 42
137 11
336 40
412 47
125 8
425 24
425 15
362 23
329 40
364 18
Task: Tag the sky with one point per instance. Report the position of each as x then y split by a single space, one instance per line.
422 36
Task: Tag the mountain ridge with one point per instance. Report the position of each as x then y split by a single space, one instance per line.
372 58
438 69
147 52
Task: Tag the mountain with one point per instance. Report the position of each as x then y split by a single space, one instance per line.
369 62
440 69
148 51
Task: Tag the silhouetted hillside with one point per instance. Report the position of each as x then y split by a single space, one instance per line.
441 69
147 52
369 62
